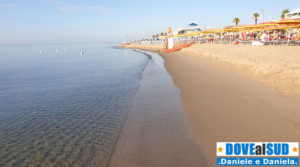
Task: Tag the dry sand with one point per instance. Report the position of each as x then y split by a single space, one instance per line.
228 104
277 66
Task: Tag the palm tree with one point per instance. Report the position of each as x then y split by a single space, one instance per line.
255 17
236 21
285 11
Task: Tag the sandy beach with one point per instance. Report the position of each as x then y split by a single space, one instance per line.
277 66
236 93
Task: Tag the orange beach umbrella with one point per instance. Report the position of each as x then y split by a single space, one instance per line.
289 21
169 30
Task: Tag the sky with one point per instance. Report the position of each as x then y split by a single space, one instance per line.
110 21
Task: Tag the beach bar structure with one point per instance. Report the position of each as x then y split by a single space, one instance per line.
295 14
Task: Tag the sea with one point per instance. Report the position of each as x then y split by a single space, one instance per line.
64 105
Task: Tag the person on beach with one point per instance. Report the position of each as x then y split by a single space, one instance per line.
254 36
236 42
276 36
263 36
211 38
207 37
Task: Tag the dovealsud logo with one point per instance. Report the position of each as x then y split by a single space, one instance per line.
257 153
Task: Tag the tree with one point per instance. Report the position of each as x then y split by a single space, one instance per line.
255 17
236 21
285 11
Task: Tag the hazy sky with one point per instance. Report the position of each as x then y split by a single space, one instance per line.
79 21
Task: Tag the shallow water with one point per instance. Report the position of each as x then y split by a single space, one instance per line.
156 133
61 108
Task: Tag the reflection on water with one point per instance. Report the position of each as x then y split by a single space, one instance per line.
64 108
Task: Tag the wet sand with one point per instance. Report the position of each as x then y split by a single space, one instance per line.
155 133
222 105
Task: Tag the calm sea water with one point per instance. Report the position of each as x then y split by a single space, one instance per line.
61 108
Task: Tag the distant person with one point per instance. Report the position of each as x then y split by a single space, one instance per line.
254 36
207 38
211 38
236 42
276 36
263 36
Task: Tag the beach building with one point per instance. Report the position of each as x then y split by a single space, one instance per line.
295 14
190 28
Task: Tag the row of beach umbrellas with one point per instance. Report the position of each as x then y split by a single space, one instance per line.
272 25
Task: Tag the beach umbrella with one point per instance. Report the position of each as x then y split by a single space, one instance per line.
267 24
250 26
169 29
193 24
289 21
189 34
245 28
230 29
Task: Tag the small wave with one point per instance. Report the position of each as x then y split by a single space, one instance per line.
143 52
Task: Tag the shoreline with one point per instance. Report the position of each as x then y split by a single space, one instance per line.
155 132
222 105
